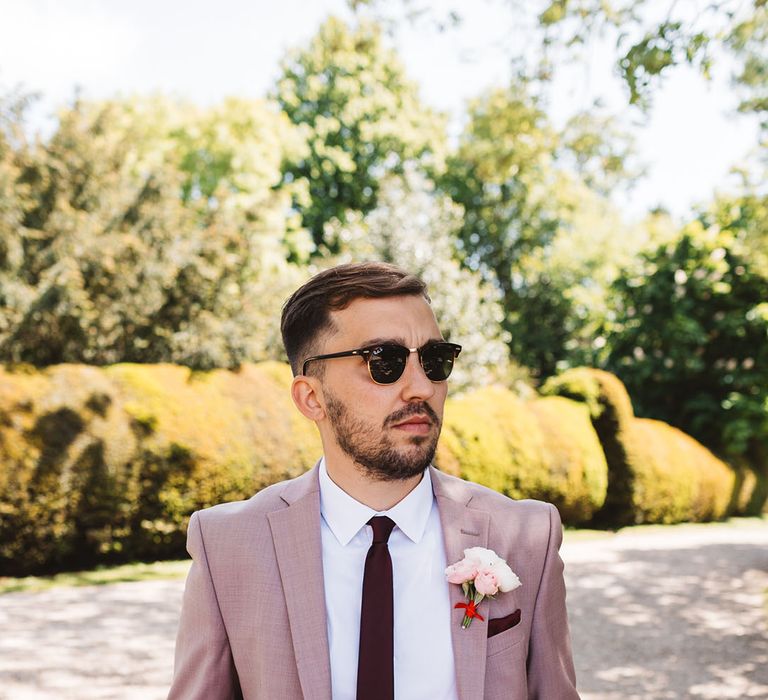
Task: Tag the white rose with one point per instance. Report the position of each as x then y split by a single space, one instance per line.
483 557
507 578
488 560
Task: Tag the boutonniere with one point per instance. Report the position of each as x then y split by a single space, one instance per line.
480 573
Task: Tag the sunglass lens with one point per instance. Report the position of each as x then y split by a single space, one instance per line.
386 363
437 361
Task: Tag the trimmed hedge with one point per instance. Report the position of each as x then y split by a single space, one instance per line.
543 449
574 458
107 464
656 473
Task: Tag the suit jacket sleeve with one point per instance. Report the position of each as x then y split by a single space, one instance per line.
550 661
203 667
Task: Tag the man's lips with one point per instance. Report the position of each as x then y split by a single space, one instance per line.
415 424
417 419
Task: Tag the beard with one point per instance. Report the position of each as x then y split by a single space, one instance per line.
373 451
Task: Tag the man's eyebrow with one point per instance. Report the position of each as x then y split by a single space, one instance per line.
381 340
397 341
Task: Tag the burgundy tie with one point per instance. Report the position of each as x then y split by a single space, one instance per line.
375 672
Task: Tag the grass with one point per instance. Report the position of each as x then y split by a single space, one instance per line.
580 535
168 570
101 576
583 534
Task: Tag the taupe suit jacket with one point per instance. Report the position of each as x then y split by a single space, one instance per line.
253 621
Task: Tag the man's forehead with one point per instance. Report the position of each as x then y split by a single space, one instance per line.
392 319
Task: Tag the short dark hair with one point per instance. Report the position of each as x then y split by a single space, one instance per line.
306 314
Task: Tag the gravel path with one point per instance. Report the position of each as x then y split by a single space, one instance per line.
674 613
670 613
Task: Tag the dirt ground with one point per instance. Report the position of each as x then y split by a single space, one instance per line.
665 613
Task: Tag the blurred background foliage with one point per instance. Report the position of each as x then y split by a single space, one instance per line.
149 230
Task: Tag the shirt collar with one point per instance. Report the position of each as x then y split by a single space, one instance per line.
345 516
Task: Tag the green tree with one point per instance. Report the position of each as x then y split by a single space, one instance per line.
651 39
749 41
13 196
689 335
563 285
598 152
517 179
362 118
148 231
499 174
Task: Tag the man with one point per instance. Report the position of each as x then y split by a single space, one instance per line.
332 585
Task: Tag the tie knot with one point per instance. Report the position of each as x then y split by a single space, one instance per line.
382 528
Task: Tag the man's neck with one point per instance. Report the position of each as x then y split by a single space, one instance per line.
377 494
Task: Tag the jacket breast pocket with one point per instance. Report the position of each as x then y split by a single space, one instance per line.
505 665
499 643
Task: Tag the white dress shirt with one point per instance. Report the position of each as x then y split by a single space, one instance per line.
423 661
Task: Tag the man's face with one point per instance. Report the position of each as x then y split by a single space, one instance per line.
389 431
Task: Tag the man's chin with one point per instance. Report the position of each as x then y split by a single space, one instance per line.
401 474
416 448
405 464
415 438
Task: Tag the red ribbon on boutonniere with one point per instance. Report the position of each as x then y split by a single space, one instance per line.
480 573
471 610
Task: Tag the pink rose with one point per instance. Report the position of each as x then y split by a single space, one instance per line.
486 583
462 571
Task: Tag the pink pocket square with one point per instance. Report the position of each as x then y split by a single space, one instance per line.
502 624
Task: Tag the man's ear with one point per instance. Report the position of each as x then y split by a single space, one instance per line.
306 394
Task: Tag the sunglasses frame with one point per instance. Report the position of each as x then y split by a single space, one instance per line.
366 352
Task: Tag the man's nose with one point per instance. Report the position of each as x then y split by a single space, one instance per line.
416 384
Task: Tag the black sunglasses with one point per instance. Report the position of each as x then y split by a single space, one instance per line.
386 361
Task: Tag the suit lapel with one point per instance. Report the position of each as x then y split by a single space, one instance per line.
296 537
463 528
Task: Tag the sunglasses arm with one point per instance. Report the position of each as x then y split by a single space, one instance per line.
332 356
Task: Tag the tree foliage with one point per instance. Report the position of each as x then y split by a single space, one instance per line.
749 40
524 202
145 231
362 118
689 333
651 38
563 285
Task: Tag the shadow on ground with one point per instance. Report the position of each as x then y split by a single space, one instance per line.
103 642
673 623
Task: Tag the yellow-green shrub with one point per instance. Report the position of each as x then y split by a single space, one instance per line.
109 463
101 464
656 473
574 458
681 480
494 438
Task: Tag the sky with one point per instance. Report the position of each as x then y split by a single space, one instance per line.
204 51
